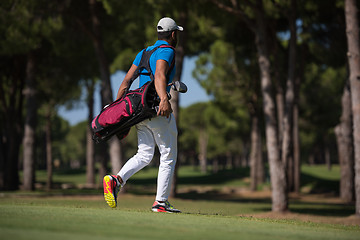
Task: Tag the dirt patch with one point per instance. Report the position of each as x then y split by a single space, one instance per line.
326 198
351 220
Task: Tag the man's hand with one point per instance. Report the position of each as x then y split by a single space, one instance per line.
164 108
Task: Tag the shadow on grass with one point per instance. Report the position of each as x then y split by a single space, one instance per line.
323 209
219 178
312 208
320 185
217 196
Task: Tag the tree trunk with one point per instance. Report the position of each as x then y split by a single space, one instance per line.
106 93
215 165
237 161
255 154
229 161
279 95
90 152
327 156
90 159
260 173
116 155
30 125
296 136
277 168
203 141
49 165
11 111
297 160
180 54
244 160
116 158
296 145
344 138
352 32
287 139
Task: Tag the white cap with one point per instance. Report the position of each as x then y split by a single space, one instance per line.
167 24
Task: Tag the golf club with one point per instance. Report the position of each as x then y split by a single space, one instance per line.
178 86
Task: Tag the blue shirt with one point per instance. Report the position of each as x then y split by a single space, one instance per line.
166 54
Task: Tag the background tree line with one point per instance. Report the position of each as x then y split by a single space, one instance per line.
282 76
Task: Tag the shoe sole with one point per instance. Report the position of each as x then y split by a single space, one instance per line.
165 211
159 210
108 195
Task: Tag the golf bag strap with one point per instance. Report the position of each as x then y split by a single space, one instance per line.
145 64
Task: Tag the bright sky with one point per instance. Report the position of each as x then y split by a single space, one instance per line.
194 94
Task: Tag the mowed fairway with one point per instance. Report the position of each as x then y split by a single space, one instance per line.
90 218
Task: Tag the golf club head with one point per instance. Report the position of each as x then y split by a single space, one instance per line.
179 87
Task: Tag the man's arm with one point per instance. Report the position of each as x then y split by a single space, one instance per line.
160 86
125 82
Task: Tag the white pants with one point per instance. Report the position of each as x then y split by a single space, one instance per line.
161 131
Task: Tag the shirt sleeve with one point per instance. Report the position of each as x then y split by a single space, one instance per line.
166 54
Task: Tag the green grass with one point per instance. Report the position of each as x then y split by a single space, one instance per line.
316 177
90 218
321 171
319 179
83 214
77 176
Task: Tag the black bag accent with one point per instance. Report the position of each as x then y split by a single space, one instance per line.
133 107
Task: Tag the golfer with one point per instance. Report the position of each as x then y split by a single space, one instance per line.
160 130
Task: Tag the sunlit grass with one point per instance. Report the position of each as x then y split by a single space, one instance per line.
90 218
321 171
313 177
207 213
